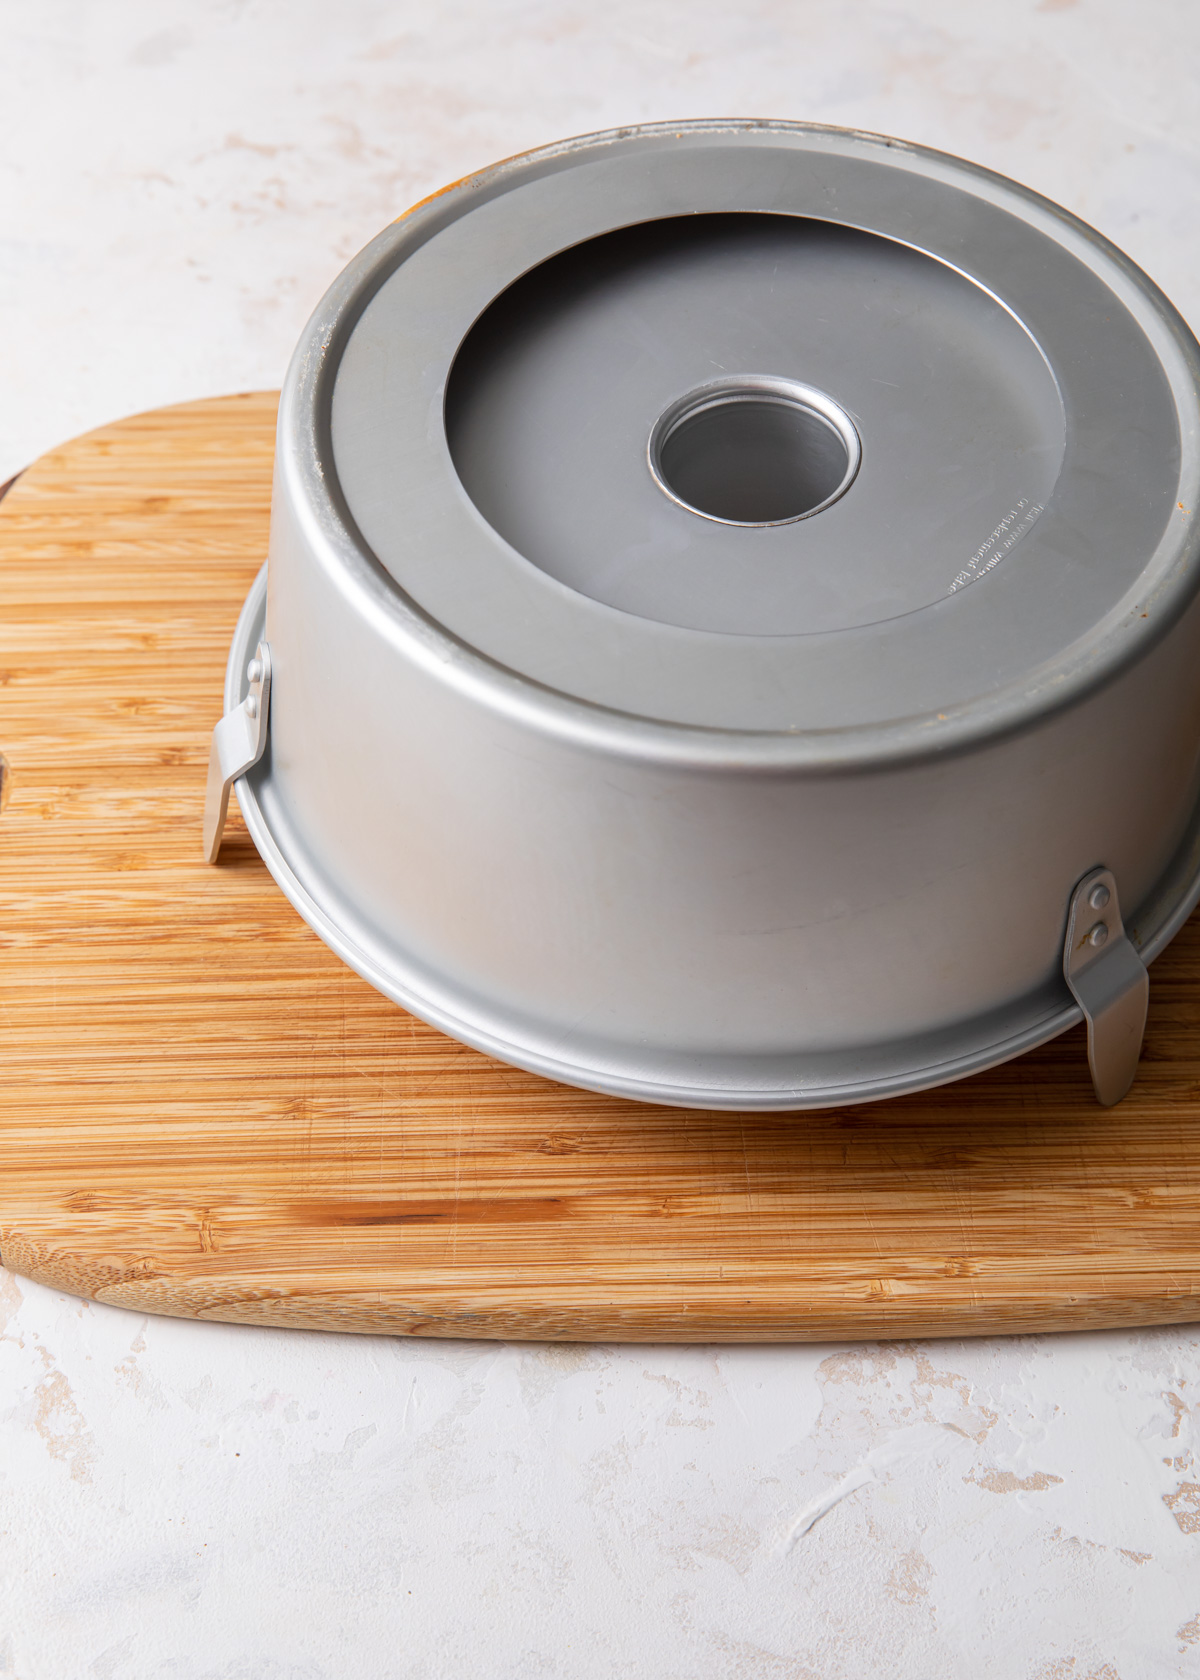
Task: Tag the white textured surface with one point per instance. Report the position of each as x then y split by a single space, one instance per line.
178 183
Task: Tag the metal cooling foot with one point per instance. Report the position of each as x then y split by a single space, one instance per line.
1109 982
238 742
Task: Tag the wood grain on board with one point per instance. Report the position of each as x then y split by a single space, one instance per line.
204 1112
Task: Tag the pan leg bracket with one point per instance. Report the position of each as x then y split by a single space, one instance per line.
238 742
1109 982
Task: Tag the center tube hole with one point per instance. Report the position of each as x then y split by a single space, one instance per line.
754 450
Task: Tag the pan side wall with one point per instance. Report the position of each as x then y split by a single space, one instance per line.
601 897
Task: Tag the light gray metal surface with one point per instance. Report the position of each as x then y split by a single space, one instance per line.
766 813
1013 310
561 382
865 1073
1108 981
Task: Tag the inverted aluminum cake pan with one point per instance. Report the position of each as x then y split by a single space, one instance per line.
728 584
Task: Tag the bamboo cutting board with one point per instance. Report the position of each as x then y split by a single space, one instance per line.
203 1112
